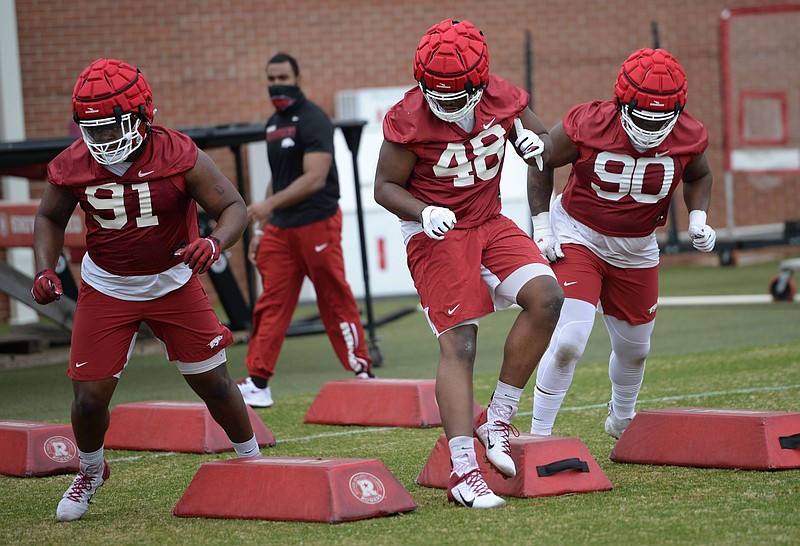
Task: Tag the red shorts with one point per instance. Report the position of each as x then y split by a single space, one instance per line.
452 276
105 329
627 294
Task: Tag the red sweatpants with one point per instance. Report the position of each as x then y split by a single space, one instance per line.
285 257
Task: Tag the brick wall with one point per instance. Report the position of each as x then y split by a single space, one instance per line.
205 60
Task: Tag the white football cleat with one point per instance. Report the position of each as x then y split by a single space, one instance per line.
615 426
470 490
253 396
494 437
75 502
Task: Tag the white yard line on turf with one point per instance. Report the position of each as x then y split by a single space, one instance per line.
729 299
733 299
333 434
565 408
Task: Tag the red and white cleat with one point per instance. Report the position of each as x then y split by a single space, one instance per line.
75 502
494 437
470 490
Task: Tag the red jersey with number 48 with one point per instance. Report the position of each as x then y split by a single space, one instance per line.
456 169
615 189
136 221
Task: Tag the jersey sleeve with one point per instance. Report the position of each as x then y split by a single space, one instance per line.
502 100
178 151
688 137
573 122
316 133
68 163
401 123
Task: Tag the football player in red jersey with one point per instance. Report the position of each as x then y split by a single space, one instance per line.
627 156
439 172
137 185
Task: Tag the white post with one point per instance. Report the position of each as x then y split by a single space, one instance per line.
729 204
12 128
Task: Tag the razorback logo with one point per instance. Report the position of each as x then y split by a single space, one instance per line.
60 449
367 488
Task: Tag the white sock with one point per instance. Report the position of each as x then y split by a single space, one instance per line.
507 394
248 448
91 463
505 402
462 454
545 409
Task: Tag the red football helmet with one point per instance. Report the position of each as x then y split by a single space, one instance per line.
113 106
650 94
452 68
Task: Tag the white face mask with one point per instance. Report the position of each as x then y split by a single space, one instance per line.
111 141
452 107
647 129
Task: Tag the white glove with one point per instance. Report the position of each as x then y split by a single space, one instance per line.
544 238
436 221
702 235
529 144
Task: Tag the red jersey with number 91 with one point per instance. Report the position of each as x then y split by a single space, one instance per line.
615 189
456 169
136 221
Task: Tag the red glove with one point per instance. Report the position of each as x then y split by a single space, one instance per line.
46 287
200 254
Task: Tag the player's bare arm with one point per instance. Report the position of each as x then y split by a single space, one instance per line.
540 190
531 122
540 183
55 210
563 151
697 180
316 166
219 198
395 165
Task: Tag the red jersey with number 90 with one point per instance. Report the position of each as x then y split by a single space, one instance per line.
136 221
456 169
615 189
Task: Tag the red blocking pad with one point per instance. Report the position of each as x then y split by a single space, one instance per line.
713 438
377 402
546 466
184 427
294 489
37 449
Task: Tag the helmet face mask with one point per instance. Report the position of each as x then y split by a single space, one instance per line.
646 129
650 93
452 107
451 66
113 106
111 141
